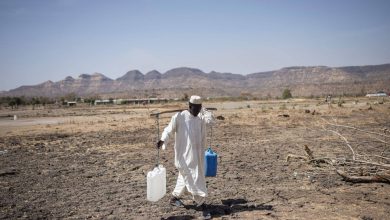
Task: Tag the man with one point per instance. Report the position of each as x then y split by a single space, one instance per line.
189 130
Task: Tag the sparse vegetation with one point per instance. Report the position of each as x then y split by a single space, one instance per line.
248 139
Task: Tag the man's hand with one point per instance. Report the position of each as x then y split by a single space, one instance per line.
159 144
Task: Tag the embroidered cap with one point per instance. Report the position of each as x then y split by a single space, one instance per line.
196 100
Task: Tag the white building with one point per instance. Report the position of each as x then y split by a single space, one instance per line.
378 94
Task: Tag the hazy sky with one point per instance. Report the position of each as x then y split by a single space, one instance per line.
49 40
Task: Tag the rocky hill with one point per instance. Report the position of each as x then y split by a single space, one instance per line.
302 81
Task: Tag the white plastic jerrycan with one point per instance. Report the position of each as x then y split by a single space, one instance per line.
156 183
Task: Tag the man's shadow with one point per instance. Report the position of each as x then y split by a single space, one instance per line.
228 207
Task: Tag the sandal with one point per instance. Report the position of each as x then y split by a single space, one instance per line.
176 202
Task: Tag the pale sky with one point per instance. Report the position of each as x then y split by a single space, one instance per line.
50 39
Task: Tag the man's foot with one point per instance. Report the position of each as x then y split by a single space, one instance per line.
176 202
205 212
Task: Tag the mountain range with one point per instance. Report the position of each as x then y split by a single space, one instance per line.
301 80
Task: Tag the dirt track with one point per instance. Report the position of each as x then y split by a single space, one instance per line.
93 163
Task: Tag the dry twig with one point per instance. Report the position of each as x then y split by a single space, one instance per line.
309 153
295 156
372 163
383 178
364 179
346 141
309 157
345 126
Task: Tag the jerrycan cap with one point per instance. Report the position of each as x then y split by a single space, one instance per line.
210 151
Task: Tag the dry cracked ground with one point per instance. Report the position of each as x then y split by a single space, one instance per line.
91 162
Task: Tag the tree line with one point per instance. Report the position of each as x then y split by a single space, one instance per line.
43 100
22 100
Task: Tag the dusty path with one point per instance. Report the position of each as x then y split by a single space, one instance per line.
27 122
95 166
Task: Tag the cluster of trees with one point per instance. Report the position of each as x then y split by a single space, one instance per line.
41 100
16 101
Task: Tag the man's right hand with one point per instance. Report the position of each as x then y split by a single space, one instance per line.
159 144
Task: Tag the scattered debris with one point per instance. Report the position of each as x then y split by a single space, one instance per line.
8 172
231 202
367 178
367 218
220 117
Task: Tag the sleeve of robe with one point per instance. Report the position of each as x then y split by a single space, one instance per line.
169 130
208 117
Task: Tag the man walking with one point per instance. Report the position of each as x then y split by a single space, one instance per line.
189 130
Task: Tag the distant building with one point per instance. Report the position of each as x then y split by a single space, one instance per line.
131 101
378 94
139 101
71 103
103 102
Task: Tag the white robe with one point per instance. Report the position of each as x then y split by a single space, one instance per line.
190 141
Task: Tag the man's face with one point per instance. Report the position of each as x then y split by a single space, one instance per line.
195 109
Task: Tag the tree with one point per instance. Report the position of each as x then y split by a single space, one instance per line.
11 102
35 101
70 97
286 94
18 101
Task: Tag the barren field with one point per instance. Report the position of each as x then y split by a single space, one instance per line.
90 162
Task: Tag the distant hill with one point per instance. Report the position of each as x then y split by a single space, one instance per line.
301 80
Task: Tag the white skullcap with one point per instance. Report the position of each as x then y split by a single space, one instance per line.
196 99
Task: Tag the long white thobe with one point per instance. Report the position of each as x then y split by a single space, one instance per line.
190 140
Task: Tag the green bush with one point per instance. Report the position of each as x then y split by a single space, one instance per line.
286 94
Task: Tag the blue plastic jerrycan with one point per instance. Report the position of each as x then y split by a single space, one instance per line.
210 162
